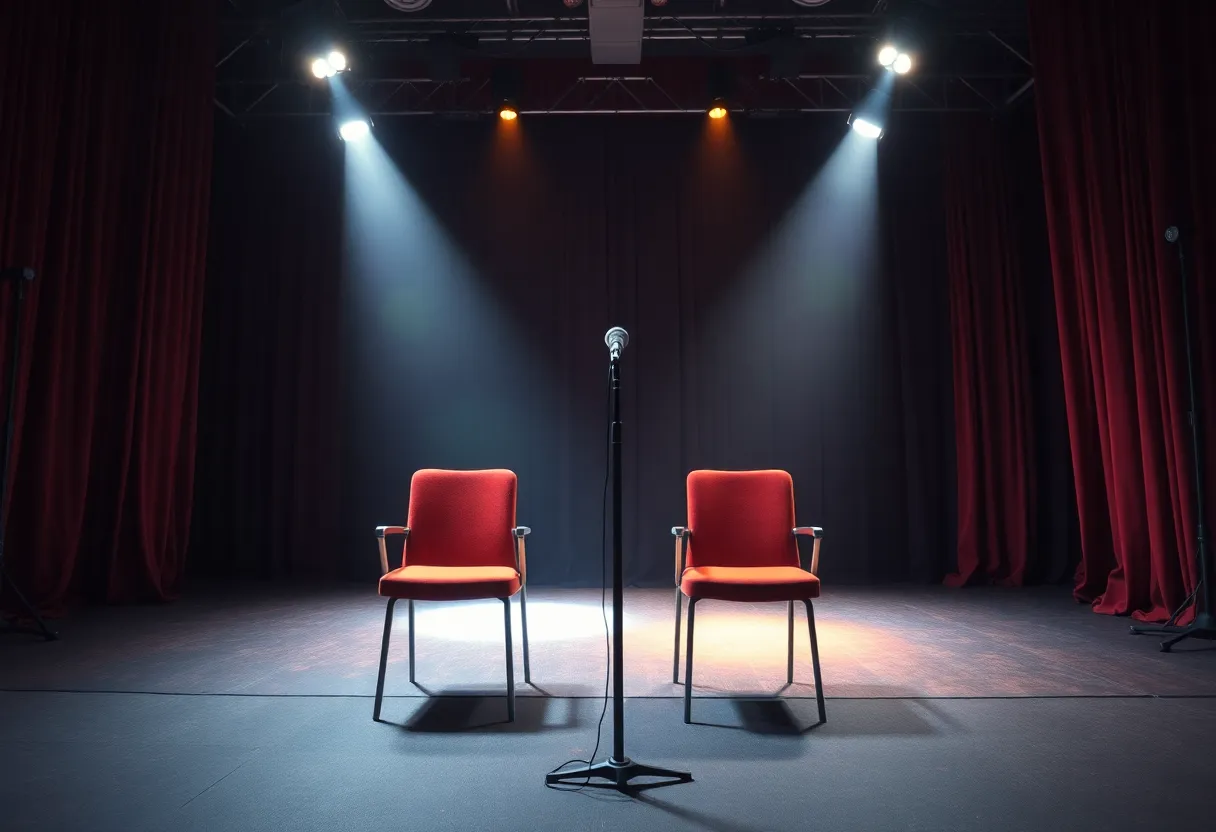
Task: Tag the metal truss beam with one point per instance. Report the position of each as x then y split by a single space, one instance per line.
430 64
621 94
853 24
709 33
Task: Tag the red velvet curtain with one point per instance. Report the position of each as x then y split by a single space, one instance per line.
105 160
992 385
1125 123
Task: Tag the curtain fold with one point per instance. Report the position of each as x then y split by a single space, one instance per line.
1121 94
105 162
994 435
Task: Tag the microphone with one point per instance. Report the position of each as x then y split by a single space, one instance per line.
616 339
1171 234
16 273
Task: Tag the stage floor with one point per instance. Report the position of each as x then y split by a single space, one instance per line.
250 710
874 643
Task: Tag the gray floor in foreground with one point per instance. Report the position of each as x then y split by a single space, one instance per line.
178 762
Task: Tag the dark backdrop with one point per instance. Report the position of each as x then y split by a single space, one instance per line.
776 320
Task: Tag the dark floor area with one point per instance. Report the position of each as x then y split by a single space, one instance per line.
251 710
157 762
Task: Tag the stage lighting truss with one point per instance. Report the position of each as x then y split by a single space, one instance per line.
248 45
623 95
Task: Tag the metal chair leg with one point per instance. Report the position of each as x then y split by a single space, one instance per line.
789 653
412 681
692 610
388 626
506 615
523 617
675 662
810 620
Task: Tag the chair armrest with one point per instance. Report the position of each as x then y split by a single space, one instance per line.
381 531
817 534
519 533
681 535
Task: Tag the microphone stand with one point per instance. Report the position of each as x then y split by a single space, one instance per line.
1204 625
618 770
23 276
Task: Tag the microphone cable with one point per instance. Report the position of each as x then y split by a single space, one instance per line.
599 728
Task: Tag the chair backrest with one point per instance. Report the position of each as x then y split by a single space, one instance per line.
461 518
741 518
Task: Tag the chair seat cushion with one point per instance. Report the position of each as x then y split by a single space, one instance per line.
749 583
450 583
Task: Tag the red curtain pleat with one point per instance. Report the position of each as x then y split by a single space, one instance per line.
105 170
1118 86
994 435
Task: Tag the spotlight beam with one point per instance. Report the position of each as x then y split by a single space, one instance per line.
869 118
354 130
353 122
867 128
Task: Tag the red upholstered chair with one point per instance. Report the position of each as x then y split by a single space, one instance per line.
741 544
461 544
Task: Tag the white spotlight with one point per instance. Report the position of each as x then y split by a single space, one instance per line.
321 68
354 130
336 61
887 55
866 128
902 64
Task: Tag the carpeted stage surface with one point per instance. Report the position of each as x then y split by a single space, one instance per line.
251 710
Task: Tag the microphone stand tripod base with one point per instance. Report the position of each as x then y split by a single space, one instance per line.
618 775
1204 626
29 621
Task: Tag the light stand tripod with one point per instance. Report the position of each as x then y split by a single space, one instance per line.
21 277
618 769
1204 625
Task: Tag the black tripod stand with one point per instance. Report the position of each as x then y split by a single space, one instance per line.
1204 625
21 623
618 769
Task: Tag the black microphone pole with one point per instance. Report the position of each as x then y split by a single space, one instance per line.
20 276
1204 625
618 770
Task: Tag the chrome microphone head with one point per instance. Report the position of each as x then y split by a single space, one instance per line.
1171 234
616 339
